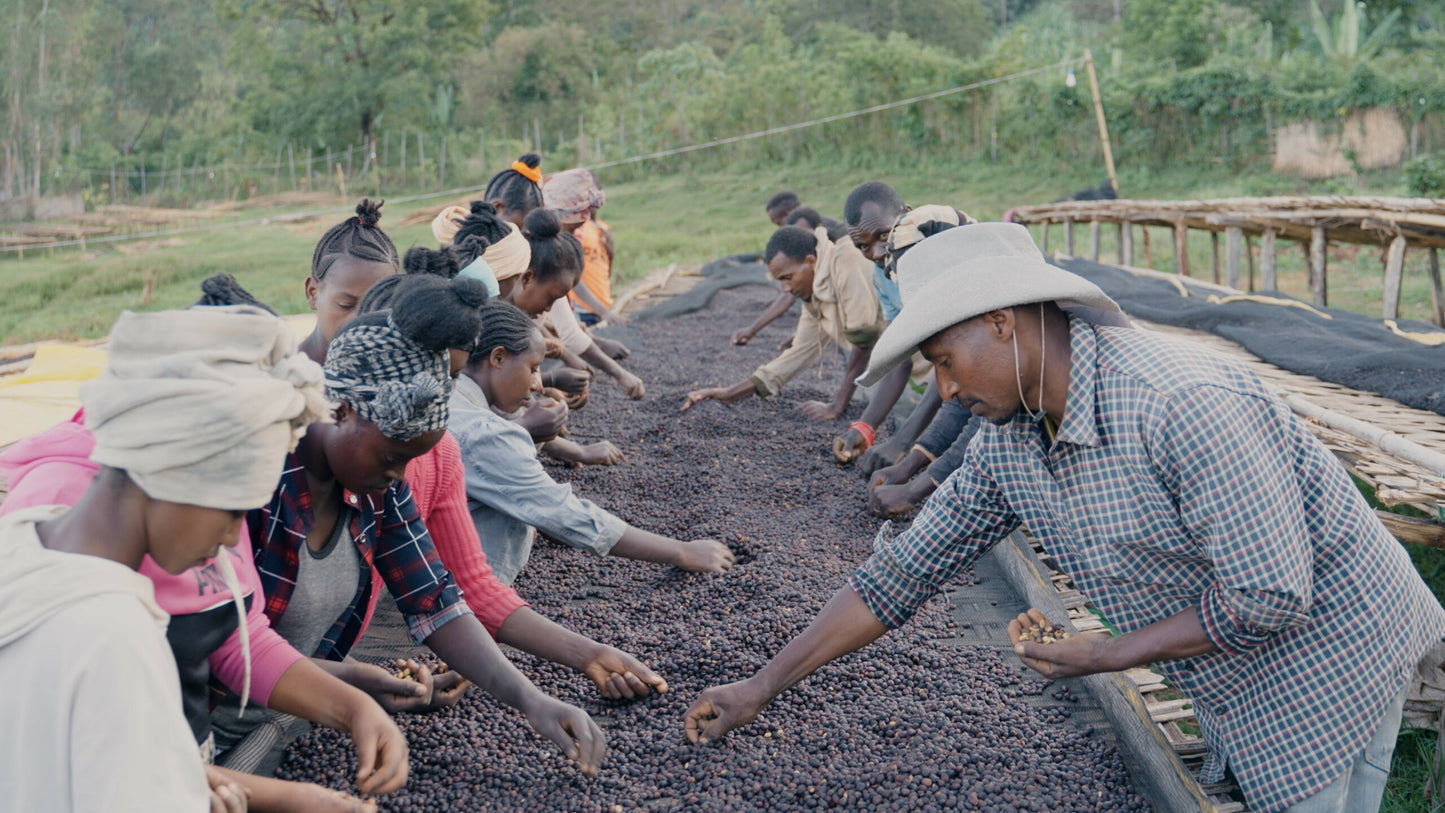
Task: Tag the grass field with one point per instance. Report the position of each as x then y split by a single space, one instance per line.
693 217
687 217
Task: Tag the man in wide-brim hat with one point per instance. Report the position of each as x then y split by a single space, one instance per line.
1202 518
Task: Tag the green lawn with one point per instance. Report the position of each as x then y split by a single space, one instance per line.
686 217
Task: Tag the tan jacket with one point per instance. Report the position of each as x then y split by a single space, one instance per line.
844 309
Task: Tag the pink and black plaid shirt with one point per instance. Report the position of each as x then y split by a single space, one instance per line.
391 538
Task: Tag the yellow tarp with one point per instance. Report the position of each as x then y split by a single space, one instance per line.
48 392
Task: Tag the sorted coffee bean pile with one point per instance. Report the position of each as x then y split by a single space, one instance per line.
1044 633
909 723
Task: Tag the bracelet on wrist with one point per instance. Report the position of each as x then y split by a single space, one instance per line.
868 433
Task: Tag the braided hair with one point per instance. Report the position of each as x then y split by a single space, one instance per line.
358 237
504 325
223 289
436 313
516 191
440 262
554 252
484 222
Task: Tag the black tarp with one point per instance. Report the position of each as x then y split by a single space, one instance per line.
1348 348
728 272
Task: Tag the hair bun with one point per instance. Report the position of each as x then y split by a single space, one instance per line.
471 292
542 224
368 212
483 206
531 159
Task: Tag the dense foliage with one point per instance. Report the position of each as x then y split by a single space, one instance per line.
159 96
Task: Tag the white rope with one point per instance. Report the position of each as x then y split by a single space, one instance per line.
459 191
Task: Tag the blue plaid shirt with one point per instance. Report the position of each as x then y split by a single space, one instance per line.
1176 481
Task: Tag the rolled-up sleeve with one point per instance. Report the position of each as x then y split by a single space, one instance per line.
808 341
964 518
425 591
1227 458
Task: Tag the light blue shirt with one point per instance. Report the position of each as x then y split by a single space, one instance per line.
888 296
510 495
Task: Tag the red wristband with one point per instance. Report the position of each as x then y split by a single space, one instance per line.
868 433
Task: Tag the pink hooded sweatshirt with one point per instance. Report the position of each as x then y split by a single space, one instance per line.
54 468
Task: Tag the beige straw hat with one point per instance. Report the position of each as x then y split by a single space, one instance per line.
961 273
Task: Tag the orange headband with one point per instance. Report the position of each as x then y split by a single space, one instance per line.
530 173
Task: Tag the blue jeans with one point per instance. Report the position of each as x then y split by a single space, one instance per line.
1361 787
587 318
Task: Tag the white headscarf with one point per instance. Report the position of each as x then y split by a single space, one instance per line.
200 406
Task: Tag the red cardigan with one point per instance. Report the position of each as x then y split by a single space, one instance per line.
439 486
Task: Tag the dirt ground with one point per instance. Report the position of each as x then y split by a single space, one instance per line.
922 719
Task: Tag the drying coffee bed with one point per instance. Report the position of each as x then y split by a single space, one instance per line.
920 720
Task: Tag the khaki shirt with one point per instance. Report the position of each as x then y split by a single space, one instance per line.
844 309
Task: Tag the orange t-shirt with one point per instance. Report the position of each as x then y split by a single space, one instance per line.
596 268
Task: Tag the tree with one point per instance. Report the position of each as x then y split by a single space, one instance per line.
546 73
1175 31
334 68
960 26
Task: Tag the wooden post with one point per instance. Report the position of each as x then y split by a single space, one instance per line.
1319 260
1126 243
291 159
1181 249
1069 236
1394 272
1148 248
1214 246
1045 239
1437 295
1267 279
309 183
1249 256
1103 126
1233 245
142 180
1094 240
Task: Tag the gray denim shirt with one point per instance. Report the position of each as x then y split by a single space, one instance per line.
510 495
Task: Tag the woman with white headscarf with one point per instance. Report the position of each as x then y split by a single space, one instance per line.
192 418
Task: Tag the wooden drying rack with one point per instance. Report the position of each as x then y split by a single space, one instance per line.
1397 223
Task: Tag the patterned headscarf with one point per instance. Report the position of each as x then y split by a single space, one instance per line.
914 225
388 379
572 194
